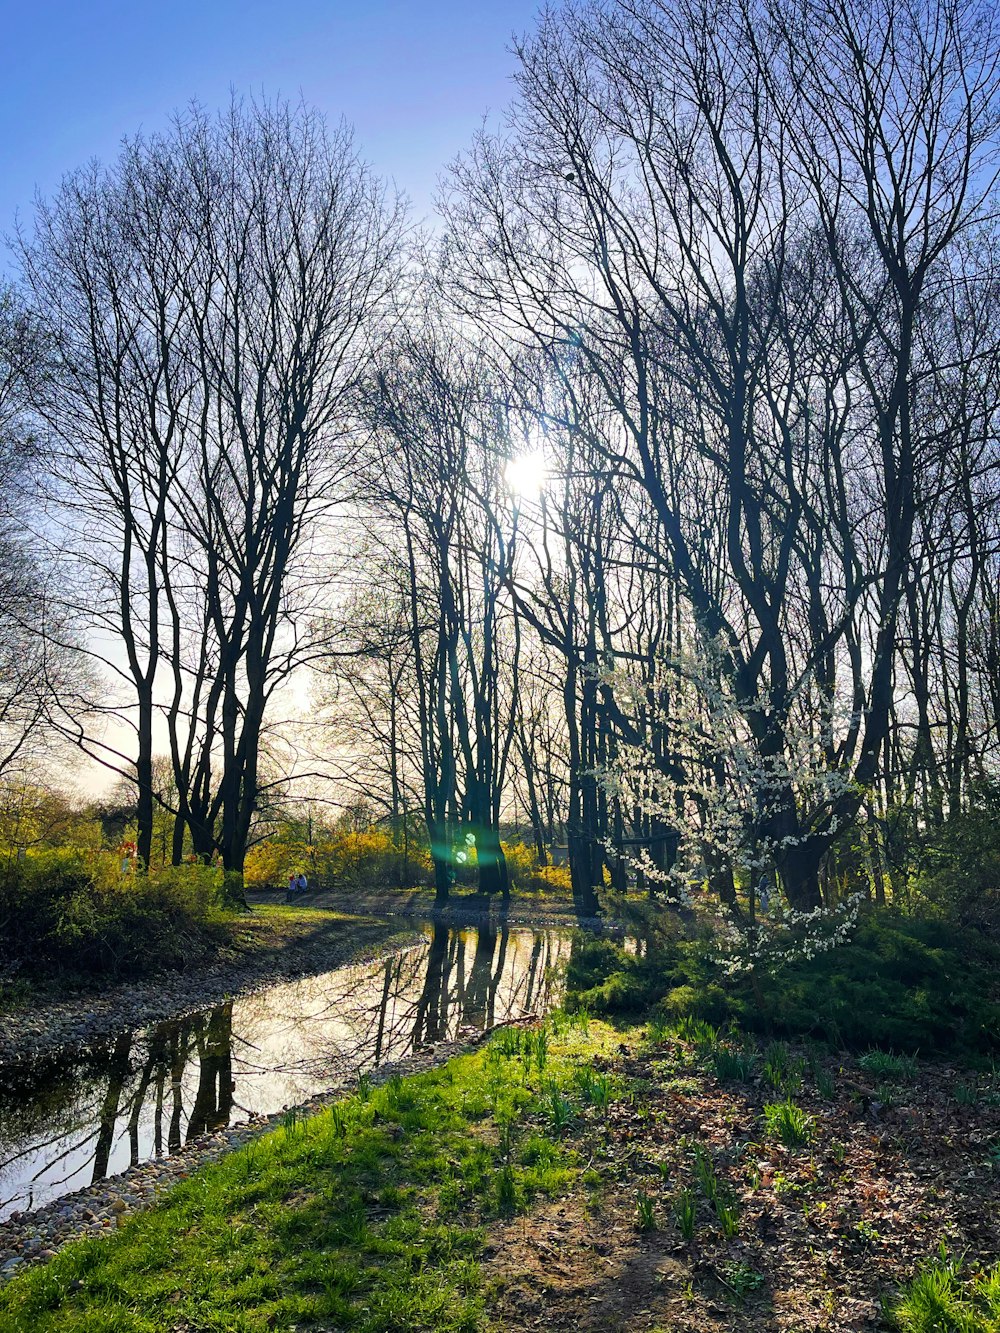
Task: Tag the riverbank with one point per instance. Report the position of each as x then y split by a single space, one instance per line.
273 943
99 1210
570 1176
464 907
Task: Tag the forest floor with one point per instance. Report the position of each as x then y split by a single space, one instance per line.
574 1176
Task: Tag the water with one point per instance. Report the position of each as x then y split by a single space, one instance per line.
74 1122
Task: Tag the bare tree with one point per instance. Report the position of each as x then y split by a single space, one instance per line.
734 221
210 301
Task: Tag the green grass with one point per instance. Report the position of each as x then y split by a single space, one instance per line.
944 1297
788 1122
368 1216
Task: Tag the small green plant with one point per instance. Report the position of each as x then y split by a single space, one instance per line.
728 1212
291 1119
886 1065
889 1094
557 1109
506 1137
506 1191
541 1049
696 1031
826 1085
732 1066
741 1279
338 1121
658 1030
966 1094
867 1232
595 1088
685 1209
704 1171
645 1211
364 1088
781 1069
788 1122
507 1041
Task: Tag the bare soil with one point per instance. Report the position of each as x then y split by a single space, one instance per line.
825 1231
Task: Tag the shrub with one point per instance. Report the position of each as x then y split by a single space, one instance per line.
906 983
959 864
78 912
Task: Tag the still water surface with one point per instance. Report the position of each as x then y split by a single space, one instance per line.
150 1091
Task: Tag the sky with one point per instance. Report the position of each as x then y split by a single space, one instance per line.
415 79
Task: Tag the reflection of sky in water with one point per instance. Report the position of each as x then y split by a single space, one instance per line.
153 1090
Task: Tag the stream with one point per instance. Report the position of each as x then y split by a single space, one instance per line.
75 1121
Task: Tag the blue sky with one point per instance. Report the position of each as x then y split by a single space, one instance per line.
413 78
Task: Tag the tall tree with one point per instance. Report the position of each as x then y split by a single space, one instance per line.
210 301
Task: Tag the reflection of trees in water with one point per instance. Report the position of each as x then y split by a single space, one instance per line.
360 1016
76 1134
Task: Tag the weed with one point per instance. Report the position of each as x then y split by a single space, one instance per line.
506 1191
886 1065
781 1069
889 1094
732 1066
658 1030
645 1211
541 1049
825 1083
685 1210
966 1094
788 1122
507 1041
704 1170
728 1212
338 1120
943 1296
741 1279
697 1032
557 1109
595 1088
364 1088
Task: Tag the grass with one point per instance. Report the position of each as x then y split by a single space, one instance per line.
368 1216
944 1297
888 1066
788 1122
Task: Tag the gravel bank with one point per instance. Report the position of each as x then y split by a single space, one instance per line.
28 1034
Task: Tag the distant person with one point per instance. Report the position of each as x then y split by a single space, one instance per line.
302 883
291 887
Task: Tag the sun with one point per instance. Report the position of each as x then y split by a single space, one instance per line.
526 474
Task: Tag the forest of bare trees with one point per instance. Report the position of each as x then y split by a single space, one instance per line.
646 510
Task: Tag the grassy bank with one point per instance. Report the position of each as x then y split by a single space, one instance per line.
904 981
581 1175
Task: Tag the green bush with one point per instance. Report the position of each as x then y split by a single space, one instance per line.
76 912
904 983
